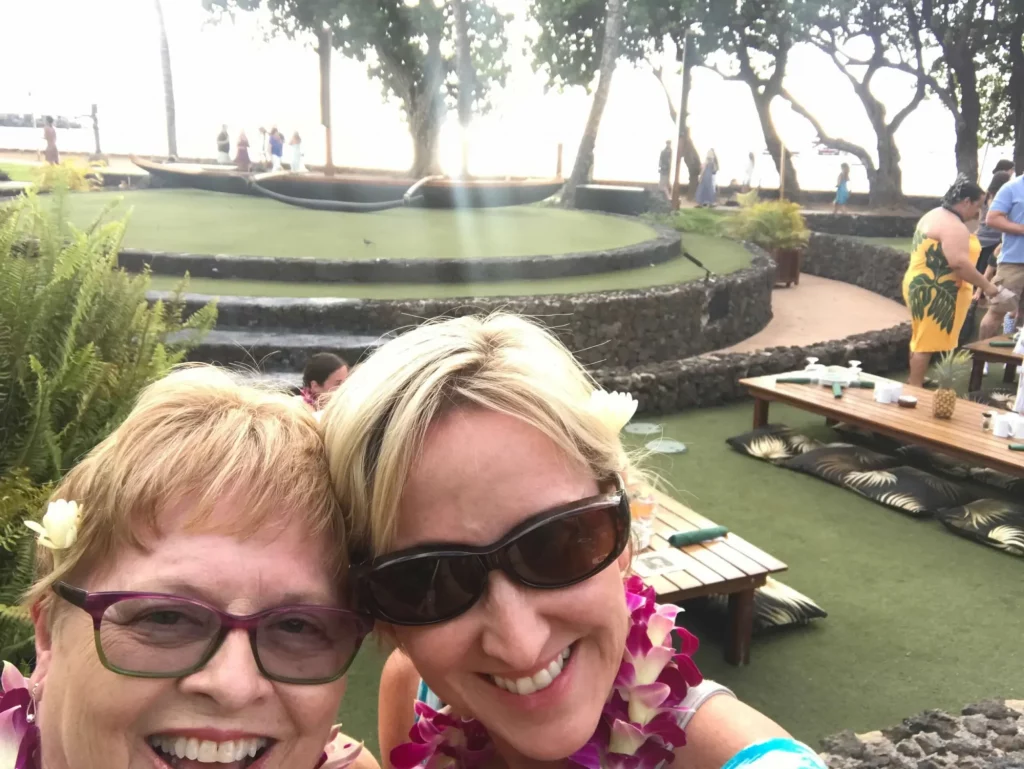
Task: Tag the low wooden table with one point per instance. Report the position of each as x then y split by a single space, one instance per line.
728 566
960 437
984 352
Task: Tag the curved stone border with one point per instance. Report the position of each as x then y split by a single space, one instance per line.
713 379
613 328
665 246
863 225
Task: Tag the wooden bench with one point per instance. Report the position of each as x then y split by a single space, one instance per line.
728 566
983 352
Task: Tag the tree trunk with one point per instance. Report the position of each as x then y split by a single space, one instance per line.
968 122
774 143
691 159
165 63
1016 90
467 78
325 45
886 182
425 125
609 54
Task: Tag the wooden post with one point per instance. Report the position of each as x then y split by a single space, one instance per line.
677 156
325 44
782 173
558 165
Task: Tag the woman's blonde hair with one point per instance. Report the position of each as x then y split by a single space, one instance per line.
375 425
198 437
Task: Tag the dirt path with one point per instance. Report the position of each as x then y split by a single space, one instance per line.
820 310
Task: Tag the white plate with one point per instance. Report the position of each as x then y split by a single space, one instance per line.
642 428
666 446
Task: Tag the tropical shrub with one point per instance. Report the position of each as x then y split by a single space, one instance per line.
699 221
78 341
69 174
773 225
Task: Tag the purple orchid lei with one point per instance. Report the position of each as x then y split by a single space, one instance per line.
640 723
19 735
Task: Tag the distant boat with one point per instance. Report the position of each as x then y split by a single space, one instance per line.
828 151
354 192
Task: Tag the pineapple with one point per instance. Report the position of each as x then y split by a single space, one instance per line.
951 366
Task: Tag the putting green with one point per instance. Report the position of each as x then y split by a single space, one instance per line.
903 244
200 222
721 256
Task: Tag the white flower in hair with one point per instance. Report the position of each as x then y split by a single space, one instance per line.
614 409
60 525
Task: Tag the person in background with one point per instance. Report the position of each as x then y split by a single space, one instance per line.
50 135
324 373
1006 215
276 141
296 148
842 189
264 147
1003 166
242 153
706 192
223 146
990 237
665 168
937 284
748 174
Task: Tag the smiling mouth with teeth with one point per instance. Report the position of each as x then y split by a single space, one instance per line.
182 752
538 681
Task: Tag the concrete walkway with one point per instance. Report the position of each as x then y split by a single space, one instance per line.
821 310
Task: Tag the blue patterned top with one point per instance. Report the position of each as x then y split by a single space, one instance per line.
779 753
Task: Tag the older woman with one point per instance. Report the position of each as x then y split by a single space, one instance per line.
189 608
938 283
482 477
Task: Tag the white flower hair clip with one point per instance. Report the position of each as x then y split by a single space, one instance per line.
614 409
59 528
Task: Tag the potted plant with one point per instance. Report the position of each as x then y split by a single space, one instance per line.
951 366
778 227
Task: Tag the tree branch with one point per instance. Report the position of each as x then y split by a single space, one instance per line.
839 144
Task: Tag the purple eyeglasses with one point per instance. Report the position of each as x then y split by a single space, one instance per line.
153 635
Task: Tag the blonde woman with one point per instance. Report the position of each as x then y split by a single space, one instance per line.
482 480
189 605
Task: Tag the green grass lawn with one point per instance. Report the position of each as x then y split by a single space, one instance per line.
918 618
200 222
19 172
721 256
903 244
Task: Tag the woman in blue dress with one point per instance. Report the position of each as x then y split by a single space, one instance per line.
706 192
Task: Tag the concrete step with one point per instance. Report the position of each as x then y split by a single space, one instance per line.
280 351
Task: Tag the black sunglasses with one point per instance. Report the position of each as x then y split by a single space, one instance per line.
554 549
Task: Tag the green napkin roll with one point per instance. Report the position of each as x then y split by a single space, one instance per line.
684 538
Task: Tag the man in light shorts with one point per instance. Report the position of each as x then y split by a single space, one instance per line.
1006 214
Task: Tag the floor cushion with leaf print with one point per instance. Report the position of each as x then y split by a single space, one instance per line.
835 461
776 605
772 443
992 522
933 461
863 437
909 490
1008 483
998 398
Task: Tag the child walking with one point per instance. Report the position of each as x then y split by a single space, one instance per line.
842 189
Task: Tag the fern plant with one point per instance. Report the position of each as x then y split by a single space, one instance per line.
69 174
774 225
78 341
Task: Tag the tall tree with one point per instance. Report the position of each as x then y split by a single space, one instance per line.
1002 118
408 46
466 76
964 31
834 24
686 151
757 36
165 63
609 56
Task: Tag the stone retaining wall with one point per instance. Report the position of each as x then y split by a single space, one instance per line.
988 735
863 225
613 328
665 246
878 269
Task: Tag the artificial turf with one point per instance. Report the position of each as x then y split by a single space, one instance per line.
903 244
200 222
720 255
918 618
19 172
